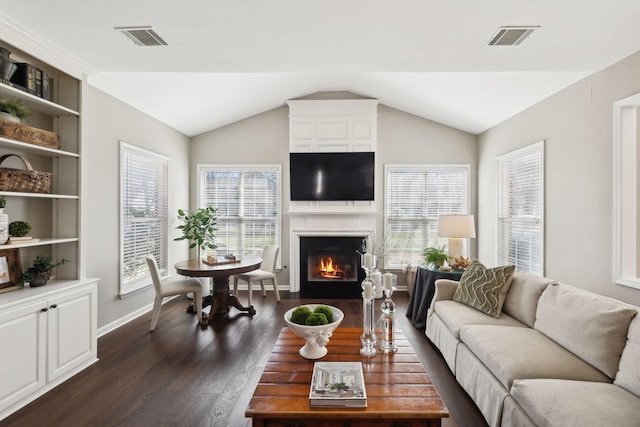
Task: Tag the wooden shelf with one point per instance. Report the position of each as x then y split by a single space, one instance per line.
39 195
36 149
36 103
40 242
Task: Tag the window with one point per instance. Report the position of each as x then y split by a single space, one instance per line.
626 191
144 178
415 195
521 209
247 199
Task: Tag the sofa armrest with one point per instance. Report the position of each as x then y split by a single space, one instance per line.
445 289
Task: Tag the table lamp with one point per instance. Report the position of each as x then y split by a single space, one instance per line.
456 228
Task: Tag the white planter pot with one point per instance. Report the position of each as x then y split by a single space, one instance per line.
9 117
4 227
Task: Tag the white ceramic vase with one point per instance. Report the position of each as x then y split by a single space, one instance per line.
4 227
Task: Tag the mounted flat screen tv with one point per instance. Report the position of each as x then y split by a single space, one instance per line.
332 176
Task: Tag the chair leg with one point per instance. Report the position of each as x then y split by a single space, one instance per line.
264 292
250 293
155 315
197 299
275 288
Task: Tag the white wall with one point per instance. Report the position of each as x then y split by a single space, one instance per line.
264 139
576 124
108 121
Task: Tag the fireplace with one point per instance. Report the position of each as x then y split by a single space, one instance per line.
330 266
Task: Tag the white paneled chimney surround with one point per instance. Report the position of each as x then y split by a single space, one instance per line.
346 125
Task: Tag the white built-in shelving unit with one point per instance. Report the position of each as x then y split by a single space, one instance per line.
48 333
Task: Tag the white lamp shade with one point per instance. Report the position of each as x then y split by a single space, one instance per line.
461 226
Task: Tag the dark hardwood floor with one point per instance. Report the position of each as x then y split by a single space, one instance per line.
181 375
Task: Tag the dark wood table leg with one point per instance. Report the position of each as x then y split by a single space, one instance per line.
221 300
235 302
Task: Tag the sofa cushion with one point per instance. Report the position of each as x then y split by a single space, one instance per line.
512 353
484 289
550 402
522 299
591 326
628 375
456 315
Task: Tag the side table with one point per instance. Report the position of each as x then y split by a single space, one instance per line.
422 293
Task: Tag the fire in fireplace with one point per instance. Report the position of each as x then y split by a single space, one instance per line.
330 267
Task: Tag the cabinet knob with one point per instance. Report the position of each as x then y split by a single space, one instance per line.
44 309
54 305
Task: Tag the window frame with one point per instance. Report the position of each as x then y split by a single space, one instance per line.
389 168
248 168
626 192
143 282
535 148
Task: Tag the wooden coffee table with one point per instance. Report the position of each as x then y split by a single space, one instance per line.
399 391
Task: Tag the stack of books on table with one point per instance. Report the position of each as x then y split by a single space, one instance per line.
338 384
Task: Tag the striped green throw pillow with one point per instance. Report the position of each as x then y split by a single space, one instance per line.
484 289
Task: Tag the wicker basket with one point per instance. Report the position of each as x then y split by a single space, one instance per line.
24 181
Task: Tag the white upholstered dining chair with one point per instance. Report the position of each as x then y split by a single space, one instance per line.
267 272
170 288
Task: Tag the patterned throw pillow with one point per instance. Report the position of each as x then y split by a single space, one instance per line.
483 288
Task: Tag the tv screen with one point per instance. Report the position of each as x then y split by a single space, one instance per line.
332 176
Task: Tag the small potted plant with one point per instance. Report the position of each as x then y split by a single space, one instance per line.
435 255
199 228
19 228
40 272
14 111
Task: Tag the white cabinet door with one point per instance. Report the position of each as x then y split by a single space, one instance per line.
72 330
23 351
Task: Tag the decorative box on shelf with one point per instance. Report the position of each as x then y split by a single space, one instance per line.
24 133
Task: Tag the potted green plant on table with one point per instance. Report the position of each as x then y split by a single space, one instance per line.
199 228
40 272
14 111
435 255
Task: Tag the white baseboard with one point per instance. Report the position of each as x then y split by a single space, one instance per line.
128 318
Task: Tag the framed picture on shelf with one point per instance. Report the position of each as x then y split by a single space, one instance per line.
10 269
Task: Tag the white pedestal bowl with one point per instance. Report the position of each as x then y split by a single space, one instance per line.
317 337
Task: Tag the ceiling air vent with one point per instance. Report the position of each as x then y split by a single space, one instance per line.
142 36
511 36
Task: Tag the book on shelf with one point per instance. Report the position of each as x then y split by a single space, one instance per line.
38 80
47 82
338 384
25 76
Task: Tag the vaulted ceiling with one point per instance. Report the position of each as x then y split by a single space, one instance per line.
228 60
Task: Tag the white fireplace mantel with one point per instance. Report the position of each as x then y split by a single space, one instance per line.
307 224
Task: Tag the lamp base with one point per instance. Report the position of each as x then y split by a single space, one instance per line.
455 247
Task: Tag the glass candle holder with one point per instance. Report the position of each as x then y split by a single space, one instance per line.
368 262
368 337
388 316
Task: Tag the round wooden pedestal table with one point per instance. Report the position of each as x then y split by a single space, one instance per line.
221 298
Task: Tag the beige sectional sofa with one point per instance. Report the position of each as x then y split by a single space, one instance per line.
555 356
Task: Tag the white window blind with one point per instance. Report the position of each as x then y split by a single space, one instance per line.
521 209
247 199
415 196
144 215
